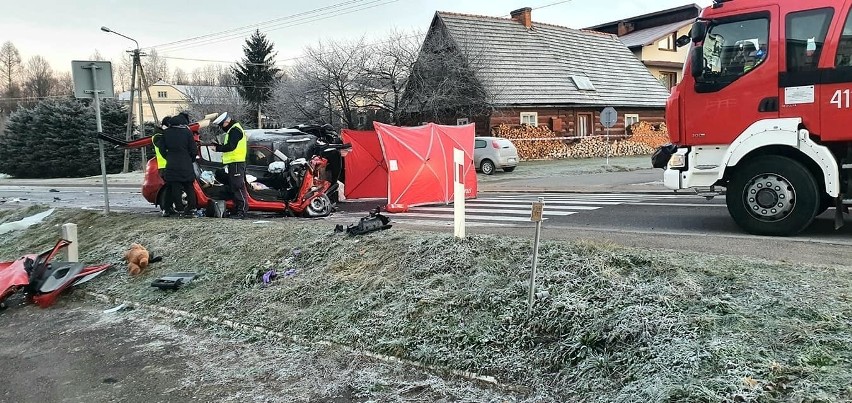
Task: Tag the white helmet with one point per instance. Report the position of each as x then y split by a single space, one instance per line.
222 117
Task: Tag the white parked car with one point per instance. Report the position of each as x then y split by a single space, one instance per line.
493 153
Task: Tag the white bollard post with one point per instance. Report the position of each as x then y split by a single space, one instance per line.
458 193
69 233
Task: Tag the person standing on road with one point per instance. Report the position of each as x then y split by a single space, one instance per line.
157 142
234 152
180 151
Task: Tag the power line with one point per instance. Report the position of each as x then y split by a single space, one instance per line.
368 45
551 4
289 24
316 10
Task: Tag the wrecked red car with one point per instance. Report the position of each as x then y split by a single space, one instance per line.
291 171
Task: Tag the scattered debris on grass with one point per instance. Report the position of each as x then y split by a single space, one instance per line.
619 324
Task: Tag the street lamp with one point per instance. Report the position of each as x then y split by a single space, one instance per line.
143 83
105 29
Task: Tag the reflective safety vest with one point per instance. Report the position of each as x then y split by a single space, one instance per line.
161 162
239 153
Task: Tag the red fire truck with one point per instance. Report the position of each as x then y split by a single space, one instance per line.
765 111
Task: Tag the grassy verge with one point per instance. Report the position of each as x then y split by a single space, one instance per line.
621 324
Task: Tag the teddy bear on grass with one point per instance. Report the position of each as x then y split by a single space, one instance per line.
138 258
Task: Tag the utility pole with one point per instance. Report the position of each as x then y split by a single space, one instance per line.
136 54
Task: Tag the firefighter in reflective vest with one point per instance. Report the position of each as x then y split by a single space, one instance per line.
234 158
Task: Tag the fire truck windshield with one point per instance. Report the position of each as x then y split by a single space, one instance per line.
731 49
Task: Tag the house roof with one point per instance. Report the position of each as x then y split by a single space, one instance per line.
656 18
648 36
534 66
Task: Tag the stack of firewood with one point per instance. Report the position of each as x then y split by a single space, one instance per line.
644 132
538 143
534 143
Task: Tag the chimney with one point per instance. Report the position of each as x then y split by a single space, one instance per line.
625 28
524 16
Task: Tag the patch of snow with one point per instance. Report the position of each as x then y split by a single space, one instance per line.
24 223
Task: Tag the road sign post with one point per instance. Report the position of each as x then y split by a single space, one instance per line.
608 118
536 217
93 79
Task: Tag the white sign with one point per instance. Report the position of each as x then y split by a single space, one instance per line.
393 166
799 95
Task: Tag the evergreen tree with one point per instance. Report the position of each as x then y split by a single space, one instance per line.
57 138
257 74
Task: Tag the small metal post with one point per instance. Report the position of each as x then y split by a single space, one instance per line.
537 212
608 146
100 129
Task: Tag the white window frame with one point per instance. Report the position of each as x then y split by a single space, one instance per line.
532 115
627 118
462 121
162 94
668 43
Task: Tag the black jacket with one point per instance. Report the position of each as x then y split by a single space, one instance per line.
179 149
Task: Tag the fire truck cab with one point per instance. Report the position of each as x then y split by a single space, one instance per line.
764 110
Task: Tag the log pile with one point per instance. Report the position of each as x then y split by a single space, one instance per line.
540 143
534 143
644 132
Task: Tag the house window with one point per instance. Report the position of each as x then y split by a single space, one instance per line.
462 121
584 124
161 94
362 119
629 120
529 118
668 43
668 79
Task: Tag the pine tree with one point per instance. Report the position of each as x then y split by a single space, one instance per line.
56 138
256 74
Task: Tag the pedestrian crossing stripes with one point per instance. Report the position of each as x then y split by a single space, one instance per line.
514 210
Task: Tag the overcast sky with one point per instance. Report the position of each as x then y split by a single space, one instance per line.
63 30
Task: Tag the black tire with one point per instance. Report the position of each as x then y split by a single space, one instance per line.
825 203
508 169
487 167
773 195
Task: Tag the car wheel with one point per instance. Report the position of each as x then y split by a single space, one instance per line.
773 195
320 206
487 167
508 169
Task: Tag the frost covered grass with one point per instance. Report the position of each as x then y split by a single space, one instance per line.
620 325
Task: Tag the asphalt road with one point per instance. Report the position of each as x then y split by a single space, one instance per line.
663 221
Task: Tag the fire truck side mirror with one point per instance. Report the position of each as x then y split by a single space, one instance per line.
697 61
699 31
683 41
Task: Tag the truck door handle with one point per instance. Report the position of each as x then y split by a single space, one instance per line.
768 105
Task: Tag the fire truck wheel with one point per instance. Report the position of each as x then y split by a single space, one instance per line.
773 195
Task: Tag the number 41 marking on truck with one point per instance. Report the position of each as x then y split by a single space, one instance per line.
839 97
